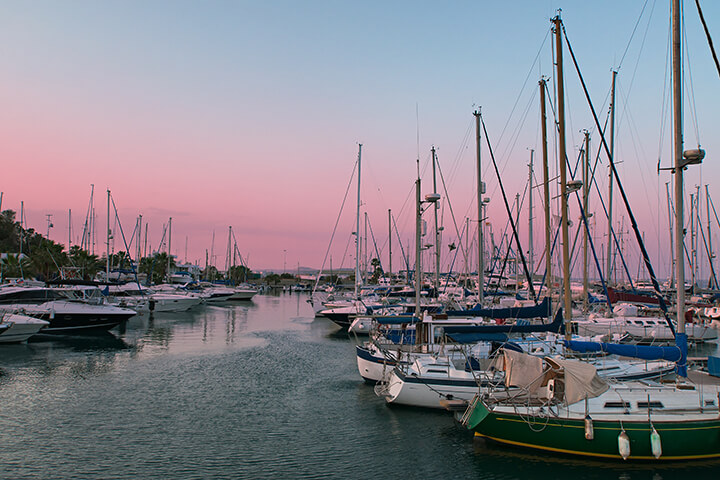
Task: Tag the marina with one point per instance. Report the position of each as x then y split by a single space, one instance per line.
255 390
473 315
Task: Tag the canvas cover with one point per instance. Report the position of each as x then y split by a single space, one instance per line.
581 379
521 370
532 374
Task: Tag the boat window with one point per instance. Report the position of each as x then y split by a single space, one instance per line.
650 322
709 402
617 404
650 404
436 371
638 322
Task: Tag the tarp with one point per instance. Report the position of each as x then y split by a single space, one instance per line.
464 333
581 379
521 370
645 352
541 310
574 380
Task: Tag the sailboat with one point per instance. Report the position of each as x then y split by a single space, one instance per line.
563 406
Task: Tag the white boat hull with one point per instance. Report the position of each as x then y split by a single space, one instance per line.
22 327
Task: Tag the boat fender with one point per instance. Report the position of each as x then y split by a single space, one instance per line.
624 445
152 304
655 443
589 430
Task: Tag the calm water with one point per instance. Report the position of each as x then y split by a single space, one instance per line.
258 389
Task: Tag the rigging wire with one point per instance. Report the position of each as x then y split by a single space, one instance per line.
691 88
707 34
337 221
633 222
507 207
633 32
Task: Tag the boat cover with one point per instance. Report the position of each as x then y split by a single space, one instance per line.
581 379
645 352
474 333
532 374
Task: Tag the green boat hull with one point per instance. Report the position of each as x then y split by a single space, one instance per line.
681 440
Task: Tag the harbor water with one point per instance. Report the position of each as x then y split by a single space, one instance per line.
248 390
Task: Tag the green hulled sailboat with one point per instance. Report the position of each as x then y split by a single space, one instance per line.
563 406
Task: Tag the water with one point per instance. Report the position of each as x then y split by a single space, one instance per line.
252 390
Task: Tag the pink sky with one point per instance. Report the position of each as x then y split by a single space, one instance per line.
249 113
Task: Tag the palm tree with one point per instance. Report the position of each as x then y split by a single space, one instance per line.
88 264
155 267
14 265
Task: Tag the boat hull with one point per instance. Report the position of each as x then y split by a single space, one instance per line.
372 367
22 327
427 392
77 323
681 440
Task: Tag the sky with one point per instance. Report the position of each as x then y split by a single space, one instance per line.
249 114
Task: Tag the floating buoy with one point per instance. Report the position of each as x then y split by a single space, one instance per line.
589 430
624 445
655 443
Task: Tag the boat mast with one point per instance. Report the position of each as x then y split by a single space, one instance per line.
517 254
610 181
390 246
480 192
563 178
169 248
530 215
109 235
546 188
366 264
672 239
693 241
418 252
139 237
437 231
586 191
712 283
681 337
357 230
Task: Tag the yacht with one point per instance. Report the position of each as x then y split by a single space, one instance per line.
64 312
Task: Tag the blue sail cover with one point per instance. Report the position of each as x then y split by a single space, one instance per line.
396 319
645 352
476 333
541 310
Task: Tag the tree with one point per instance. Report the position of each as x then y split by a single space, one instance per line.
377 270
88 264
239 274
9 232
155 267
272 279
14 265
46 256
